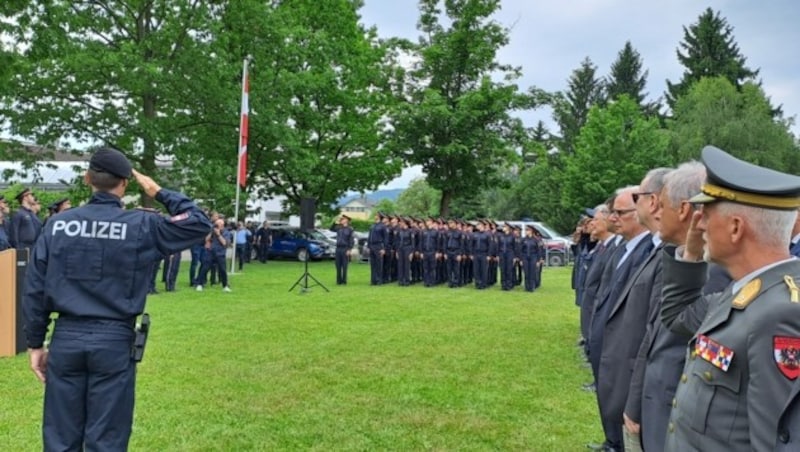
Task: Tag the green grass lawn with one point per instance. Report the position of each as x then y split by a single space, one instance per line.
357 368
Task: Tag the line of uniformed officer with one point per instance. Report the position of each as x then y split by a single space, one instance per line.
454 252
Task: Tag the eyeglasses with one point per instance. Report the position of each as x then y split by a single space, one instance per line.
621 212
636 196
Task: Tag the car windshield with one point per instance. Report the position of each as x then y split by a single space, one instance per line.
317 235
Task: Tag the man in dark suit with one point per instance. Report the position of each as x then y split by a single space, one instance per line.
660 358
742 361
627 318
602 232
626 260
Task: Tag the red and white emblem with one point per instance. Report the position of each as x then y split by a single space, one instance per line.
787 355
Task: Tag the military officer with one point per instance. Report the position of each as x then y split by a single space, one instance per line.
742 362
91 266
376 241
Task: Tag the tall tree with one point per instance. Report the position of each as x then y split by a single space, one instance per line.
627 77
571 108
738 121
616 147
321 97
106 72
456 122
709 50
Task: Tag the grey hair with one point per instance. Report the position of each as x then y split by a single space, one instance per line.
684 182
771 227
653 181
602 208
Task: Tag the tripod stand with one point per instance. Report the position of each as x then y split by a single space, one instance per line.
303 280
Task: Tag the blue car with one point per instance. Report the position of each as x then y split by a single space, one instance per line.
294 243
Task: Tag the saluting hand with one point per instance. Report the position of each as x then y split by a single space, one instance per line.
149 186
694 239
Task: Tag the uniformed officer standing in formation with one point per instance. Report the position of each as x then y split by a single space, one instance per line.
25 224
91 266
5 243
376 242
345 240
743 360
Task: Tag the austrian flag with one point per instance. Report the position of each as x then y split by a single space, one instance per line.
243 126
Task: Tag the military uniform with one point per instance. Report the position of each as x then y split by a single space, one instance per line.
744 359
92 266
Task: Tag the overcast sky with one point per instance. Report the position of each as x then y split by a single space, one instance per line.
549 39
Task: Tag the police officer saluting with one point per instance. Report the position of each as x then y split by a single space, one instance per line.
344 243
25 224
91 265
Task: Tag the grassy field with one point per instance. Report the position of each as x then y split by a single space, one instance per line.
358 368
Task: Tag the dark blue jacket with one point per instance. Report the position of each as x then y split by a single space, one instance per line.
25 228
96 260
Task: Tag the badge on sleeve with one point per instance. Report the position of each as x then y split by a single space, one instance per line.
717 354
787 355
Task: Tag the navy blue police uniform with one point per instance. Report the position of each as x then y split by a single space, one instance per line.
376 244
25 226
92 266
345 240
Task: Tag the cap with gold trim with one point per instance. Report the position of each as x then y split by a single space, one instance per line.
734 180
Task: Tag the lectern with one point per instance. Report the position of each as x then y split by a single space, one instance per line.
13 264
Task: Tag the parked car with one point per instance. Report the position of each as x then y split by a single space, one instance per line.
557 248
294 243
361 246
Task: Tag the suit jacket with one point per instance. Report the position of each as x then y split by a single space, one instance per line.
623 334
619 278
735 408
595 264
658 367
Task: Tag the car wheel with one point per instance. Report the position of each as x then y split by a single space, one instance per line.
555 260
302 254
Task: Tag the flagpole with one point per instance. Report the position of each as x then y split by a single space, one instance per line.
241 165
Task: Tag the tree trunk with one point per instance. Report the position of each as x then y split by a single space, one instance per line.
444 203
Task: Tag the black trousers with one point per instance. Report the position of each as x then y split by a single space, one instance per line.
376 265
342 260
91 378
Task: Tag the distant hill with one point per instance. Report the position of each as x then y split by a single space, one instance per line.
375 196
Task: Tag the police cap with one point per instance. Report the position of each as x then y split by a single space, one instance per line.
345 217
22 194
112 161
734 180
589 212
56 205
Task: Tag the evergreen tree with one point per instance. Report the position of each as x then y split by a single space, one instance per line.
627 78
571 109
709 50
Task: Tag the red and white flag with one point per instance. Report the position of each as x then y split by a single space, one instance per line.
243 126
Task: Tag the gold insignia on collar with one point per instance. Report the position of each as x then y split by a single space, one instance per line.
795 291
747 294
